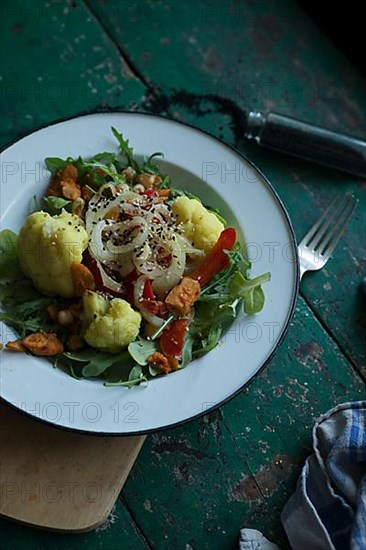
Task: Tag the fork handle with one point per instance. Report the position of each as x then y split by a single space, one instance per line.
308 141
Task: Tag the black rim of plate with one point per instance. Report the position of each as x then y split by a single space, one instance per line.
289 315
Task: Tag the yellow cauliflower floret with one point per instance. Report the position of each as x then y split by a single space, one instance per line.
47 248
200 226
110 324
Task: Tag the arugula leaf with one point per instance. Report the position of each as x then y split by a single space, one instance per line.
135 377
126 150
20 291
32 305
54 164
97 362
80 165
23 308
128 383
73 373
217 311
136 372
104 158
153 372
9 257
56 204
187 350
109 171
158 154
210 342
165 183
151 167
22 327
97 366
141 349
249 290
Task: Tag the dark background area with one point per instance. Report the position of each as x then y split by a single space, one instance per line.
343 24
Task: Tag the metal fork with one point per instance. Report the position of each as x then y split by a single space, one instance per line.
319 243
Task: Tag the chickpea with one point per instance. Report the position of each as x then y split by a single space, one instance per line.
129 173
65 317
122 187
78 206
139 188
148 180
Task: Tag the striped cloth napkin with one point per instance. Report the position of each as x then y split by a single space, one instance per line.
328 509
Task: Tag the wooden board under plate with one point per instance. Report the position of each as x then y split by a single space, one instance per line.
56 479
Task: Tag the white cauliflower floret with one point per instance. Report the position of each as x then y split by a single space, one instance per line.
110 324
200 226
47 248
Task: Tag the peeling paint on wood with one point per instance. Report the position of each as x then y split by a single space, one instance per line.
263 483
65 65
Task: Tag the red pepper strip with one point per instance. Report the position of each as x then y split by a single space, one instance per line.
155 307
165 193
131 277
129 285
148 290
151 306
91 264
216 259
150 193
172 339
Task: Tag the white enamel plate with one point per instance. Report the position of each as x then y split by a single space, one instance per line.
222 178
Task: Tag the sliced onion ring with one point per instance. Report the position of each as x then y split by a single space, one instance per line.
108 282
138 290
173 273
136 241
97 247
151 318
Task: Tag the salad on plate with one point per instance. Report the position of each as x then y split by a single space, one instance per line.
118 275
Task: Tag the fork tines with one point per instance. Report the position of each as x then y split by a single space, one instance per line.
325 234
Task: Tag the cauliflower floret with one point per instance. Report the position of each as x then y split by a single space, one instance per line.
200 226
111 324
47 248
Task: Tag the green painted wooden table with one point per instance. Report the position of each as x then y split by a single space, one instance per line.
194 487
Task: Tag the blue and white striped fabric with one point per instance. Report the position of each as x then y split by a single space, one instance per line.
328 510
